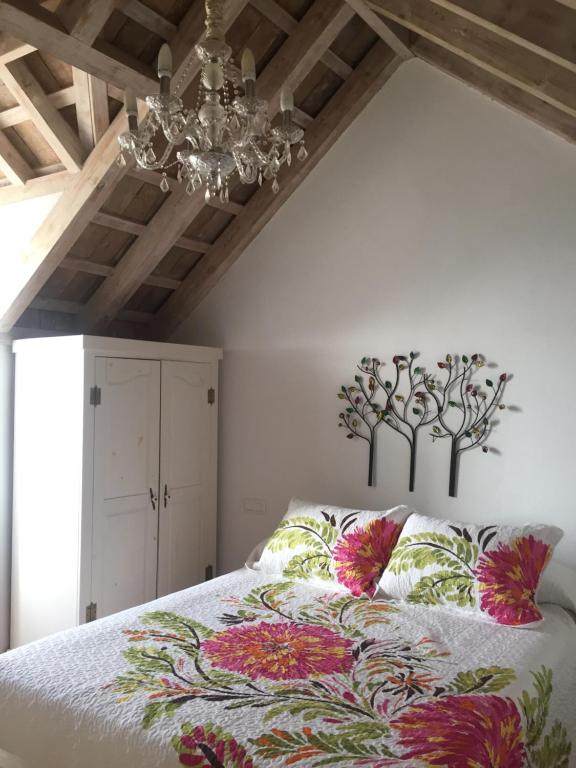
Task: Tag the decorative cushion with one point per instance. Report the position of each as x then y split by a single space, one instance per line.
346 548
491 571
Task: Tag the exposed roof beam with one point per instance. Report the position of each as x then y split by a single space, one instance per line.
75 308
59 99
36 187
92 112
121 224
315 33
548 29
287 23
518 66
12 164
149 19
47 119
30 22
83 196
103 270
509 95
291 64
84 19
398 45
370 75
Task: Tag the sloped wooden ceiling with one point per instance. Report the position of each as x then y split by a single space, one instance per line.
118 256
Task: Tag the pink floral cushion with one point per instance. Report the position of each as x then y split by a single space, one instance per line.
492 571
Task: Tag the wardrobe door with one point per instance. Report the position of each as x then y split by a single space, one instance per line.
126 465
187 529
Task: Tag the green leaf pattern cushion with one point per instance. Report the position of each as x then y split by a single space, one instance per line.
490 571
318 543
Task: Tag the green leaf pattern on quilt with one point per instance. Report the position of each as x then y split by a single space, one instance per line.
452 557
550 749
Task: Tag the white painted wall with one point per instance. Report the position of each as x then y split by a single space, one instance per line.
6 389
439 222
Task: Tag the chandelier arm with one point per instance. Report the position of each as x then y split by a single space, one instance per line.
140 156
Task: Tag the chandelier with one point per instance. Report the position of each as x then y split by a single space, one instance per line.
228 131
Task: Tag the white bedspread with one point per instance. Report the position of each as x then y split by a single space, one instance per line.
243 673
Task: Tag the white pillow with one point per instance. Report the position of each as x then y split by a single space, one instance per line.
559 586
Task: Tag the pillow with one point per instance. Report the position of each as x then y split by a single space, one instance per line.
559 586
491 571
346 548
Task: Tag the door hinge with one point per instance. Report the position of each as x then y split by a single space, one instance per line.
91 612
209 573
95 396
211 396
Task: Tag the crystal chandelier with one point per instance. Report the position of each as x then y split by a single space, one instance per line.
229 130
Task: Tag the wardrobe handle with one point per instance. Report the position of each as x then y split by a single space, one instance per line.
167 496
153 499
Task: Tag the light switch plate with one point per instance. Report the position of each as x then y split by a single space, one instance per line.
254 507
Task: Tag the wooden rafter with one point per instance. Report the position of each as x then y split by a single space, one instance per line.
84 19
12 164
391 38
149 19
315 33
480 46
509 95
36 187
543 28
376 68
59 99
92 114
25 20
27 90
287 23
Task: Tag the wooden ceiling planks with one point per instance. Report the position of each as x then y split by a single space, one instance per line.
116 254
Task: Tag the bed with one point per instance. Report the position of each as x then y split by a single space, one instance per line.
246 671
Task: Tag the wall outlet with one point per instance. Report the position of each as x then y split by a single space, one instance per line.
254 507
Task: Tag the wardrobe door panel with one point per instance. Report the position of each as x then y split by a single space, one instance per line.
187 523
126 466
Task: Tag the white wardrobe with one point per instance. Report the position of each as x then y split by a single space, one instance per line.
115 470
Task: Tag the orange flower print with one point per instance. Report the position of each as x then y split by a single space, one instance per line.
463 732
508 579
360 557
281 651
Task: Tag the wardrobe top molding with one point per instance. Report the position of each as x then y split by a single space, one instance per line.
102 346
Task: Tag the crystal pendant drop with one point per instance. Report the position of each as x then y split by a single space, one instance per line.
275 186
189 188
302 152
121 160
207 195
260 179
164 186
150 156
289 157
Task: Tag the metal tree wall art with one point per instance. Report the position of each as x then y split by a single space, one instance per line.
455 406
465 408
407 408
362 416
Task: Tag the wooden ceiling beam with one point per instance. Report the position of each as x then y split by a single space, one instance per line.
36 187
497 89
149 19
92 113
291 64
27 21
518 66
287 23
84 19
383 30
103 270
370 75
548 29
12 164
315 33
47 119
16 115
121 224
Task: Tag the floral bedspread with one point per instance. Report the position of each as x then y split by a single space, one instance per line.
244 672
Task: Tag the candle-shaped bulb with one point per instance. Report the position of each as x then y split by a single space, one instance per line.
165 61
248 65
130 103
286 100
